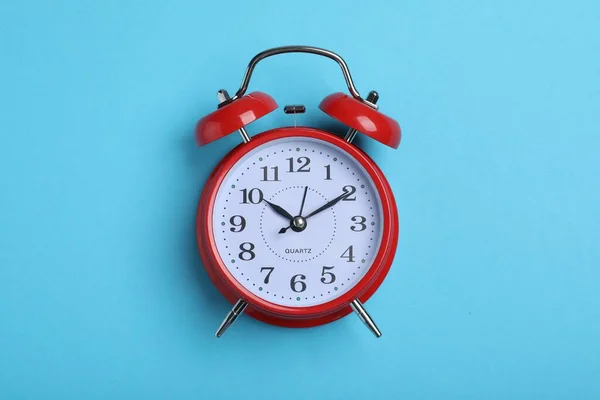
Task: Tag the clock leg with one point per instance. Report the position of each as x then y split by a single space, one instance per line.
364 316
235 312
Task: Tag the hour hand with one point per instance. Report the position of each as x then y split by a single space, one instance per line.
280 210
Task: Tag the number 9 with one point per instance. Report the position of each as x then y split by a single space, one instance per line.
241 224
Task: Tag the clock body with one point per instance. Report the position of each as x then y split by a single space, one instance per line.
290 276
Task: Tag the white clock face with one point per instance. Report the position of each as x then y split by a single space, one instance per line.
315 258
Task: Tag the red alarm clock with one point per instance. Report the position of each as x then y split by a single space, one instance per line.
296 226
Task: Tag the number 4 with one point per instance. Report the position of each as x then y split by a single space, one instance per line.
349 254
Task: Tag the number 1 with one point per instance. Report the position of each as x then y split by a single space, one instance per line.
328 172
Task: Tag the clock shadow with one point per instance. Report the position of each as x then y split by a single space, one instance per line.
210 306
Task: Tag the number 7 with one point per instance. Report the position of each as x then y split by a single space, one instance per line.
268 273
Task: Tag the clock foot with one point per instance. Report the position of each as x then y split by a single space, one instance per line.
235 312
364 316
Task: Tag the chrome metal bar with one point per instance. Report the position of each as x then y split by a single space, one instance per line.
372 101
297 49
235 312
350 135
223 97
244 134
364 316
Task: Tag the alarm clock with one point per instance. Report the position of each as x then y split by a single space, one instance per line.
297 226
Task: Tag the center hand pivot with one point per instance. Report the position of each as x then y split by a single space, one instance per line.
298 224
302 220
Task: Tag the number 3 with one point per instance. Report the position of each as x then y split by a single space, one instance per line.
360 221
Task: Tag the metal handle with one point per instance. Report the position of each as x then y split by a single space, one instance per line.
297 49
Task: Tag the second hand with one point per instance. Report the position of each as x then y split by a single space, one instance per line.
303 200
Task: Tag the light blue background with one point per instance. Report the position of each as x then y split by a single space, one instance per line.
495 290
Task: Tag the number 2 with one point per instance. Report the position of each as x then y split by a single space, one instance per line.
350 190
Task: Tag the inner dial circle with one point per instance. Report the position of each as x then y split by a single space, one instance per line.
264 190
297 246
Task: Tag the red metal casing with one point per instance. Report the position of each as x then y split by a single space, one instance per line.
284 315
363 118
233 116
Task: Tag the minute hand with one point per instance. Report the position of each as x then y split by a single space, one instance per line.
328 204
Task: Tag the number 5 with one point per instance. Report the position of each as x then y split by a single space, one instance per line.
330 274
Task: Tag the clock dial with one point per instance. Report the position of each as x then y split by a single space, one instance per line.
297 221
